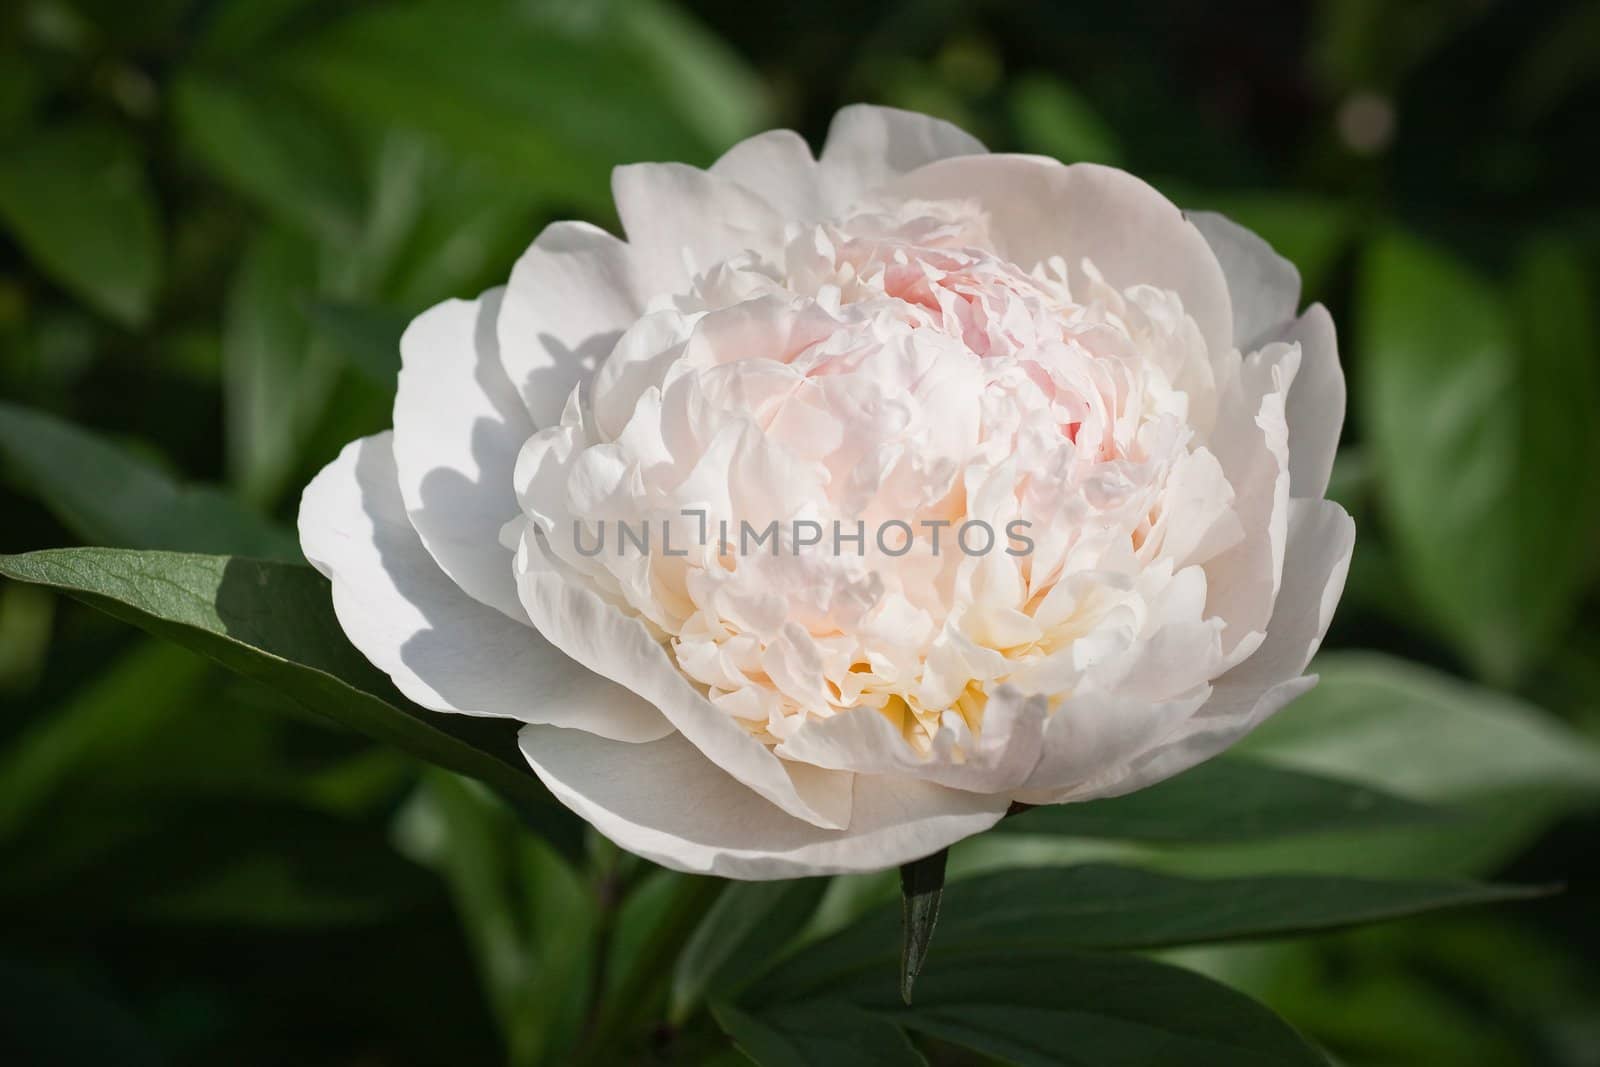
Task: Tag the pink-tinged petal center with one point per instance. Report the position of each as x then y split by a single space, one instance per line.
973 476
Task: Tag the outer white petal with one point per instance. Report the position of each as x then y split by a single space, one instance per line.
1091 737
1207 734
594 633
681 220
777 166
570 297
868 146
668 803
998 760
1316 402
1251 442
1321 538
458 427
444 650
1264 287
1039 208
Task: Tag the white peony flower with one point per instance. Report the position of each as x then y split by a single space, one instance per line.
853 499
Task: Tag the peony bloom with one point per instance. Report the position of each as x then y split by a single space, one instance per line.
852 499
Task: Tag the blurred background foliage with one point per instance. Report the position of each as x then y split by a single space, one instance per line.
217 215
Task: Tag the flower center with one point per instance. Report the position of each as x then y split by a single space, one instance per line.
968 474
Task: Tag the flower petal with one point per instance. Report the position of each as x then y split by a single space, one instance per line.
1090 739
444 650
1251 441
667 802
998 759
681 220
1317 558
1321 538
591 631
868 146
1264 287
458 427
1039 208
570 297
777 166
1316 402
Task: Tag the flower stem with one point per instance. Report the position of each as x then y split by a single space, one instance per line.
921 886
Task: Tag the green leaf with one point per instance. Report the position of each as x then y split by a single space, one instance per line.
709 83
210 857
1226 799
106 495
1417 993
655 920
817 1032
648 915
546 98
368 334
77 200
1350 481
1557 489
246 28
1370 715
739 937
1054 119
96 731
1504 769
27 617
921 889
277 381
1439 369
439 226
277 865
274 148
22 87
1484 442
274 622
148 793
531 921
159 735
1102 906
1097 906
1034 1007
115 26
